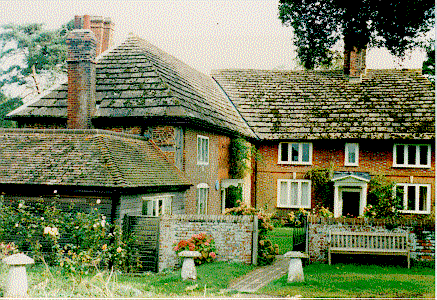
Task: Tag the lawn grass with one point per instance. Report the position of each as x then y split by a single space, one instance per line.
352 280
282 236
211 280
48 283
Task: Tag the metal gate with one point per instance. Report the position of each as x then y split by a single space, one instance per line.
145 241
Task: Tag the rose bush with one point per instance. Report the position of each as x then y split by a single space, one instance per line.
198 242
78 242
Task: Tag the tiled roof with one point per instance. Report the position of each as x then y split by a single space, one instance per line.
386 104
83 158
136 79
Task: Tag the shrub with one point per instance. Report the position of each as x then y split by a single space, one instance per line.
76 241
382 200
198 242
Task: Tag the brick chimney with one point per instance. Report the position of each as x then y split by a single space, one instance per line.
81 55
355 61
103 29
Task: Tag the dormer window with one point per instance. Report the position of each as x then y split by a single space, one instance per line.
295 153
411 156
351 152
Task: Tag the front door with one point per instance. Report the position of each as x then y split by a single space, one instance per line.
351 203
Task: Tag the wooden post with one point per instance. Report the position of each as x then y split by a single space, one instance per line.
255 241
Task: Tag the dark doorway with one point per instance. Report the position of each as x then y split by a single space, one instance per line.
351 204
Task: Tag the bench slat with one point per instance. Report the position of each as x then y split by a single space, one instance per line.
352 242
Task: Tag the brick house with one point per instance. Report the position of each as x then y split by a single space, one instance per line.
367 123
116 172
360 122
139 89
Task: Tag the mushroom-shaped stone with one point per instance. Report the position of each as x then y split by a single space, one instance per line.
188 267
187 253
295 270
17 278
18 259
296 254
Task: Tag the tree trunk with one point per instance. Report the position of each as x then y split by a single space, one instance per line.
38 89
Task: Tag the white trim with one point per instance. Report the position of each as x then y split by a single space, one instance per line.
300 152
202 187
417 156
202 158
340 186
346 155
417 195
299 193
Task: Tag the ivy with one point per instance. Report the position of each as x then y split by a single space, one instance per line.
240 154
322 185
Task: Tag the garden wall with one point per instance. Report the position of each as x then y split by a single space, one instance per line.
232 235
422 234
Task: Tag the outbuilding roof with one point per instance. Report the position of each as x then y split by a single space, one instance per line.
138 80
84 158
384 104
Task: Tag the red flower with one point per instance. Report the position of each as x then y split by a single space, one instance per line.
182 244
191 246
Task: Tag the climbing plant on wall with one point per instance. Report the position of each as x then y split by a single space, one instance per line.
240 155
322 186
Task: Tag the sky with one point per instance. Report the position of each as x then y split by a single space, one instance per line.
207 35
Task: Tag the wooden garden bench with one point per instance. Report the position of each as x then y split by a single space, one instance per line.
350 242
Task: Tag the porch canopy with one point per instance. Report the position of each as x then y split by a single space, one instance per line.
350 193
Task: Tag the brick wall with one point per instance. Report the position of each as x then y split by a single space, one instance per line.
375 157
215 171
422 242
232 235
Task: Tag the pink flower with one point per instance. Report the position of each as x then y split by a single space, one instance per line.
212 254
191 246
206 244
175 248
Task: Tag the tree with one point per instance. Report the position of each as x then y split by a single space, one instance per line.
319 25
7 105
428 67
30 50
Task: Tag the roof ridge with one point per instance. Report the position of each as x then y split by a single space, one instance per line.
73 131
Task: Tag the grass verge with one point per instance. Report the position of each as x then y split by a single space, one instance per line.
352 280
48 283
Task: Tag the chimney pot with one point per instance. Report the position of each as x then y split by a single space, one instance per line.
86 22
77 22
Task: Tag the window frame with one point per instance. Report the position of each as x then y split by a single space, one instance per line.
203 187
202 158
416 199
167 204
417 156
289 182
300 153
347 163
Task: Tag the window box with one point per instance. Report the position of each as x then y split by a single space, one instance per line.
351 154
202 150
294 193
295 153
416 197
411 156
